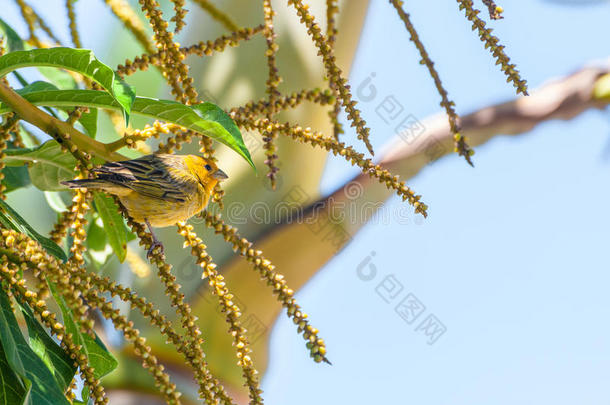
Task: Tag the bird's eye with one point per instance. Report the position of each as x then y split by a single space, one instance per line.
208 167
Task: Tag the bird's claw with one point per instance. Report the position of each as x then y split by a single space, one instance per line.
156 244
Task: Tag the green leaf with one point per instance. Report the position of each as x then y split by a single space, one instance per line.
26 89
15 177
22 359
53 355
82 61
88 120
13 40
207 118
102 361
20 78
55 202
28 138
12 392
96 237
113 224
10 219
84 394
58 77
36 86
130 235
49 164
211 113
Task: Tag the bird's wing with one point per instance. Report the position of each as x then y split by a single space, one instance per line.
150 176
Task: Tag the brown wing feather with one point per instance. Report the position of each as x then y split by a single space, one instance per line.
151 175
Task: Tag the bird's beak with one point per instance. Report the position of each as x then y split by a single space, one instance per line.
220 175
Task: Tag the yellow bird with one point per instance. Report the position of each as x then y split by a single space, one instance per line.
157 190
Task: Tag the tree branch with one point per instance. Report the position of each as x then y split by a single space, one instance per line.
561 99
54 127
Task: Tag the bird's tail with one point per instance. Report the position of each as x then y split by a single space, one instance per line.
86 183
98 184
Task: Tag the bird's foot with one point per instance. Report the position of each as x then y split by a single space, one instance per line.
155 244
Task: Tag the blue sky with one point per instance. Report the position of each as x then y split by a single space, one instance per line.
513 258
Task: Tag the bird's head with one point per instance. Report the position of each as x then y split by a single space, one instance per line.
206 170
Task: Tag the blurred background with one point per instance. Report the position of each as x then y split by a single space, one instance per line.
499 296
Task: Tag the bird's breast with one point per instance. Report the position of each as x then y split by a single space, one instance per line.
161 213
